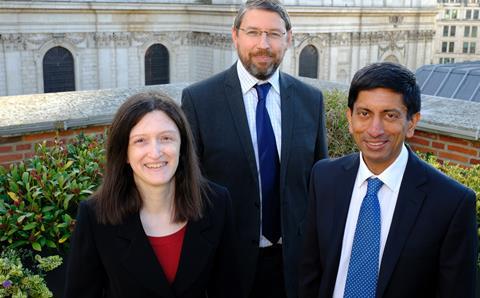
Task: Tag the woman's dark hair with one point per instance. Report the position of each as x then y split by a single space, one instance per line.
117 196
391 76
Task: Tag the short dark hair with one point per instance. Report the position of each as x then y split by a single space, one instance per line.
118 196
391 76
270 5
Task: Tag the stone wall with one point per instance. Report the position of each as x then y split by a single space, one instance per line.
108 41
450 129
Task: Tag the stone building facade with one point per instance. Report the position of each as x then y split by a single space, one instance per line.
108 44
457 36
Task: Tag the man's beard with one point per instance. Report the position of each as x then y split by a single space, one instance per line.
262 75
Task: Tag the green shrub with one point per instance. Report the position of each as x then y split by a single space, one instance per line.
16 280
469 177
39 197
340 142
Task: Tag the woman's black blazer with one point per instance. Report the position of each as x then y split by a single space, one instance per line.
118 261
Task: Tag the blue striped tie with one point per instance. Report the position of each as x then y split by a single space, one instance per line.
269 168
363 268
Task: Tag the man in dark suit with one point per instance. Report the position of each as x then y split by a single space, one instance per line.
262 153
383 223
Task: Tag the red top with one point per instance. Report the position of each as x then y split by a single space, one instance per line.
168 249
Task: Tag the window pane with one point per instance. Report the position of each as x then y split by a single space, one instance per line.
474 31
466 32
157 69
444 47
468 14
308 66
58 71
445 30
472 47
475 14
454 14
452 30
465 47
451 46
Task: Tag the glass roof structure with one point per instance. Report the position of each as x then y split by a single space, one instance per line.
454 80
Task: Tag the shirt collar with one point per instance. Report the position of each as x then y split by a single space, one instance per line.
390 176
248 81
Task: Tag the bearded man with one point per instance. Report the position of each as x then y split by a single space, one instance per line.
258 131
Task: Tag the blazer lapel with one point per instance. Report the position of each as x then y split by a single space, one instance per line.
194 255
140 260
409 202
234 97
287 105
343 196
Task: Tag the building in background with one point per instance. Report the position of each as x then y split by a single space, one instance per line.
457 36
52 46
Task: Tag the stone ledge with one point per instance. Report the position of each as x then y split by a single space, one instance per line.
25 114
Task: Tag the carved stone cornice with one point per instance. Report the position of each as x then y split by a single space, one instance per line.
217 40
320 39
37 40
13 42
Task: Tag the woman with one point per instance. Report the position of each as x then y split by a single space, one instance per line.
154 228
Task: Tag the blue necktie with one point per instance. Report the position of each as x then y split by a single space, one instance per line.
269 168
363 268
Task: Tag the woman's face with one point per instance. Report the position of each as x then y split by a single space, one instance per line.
154 150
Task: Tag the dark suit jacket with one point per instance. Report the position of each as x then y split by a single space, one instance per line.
118 260
217 115
431 249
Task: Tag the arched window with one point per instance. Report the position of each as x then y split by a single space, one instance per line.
58 70
308 62
157 67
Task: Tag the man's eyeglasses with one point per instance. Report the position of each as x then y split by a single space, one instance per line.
272 35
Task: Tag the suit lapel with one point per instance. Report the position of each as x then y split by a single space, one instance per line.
234 96
194 256
140 260
409 202
287 105
343 196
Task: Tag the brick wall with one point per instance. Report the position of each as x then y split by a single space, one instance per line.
447 148
17 148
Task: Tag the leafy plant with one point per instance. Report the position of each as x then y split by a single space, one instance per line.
17 281
339 140
39 197
469 177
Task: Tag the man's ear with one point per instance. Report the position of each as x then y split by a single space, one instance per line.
234 36
412 124
348 113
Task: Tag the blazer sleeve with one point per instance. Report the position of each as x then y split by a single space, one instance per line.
458 253
321 145
224 282
85 275
189 109
310 271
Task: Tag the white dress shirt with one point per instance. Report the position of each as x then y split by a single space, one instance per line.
250 99
387 196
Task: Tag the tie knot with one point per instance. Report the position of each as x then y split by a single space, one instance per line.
374 185
262 90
